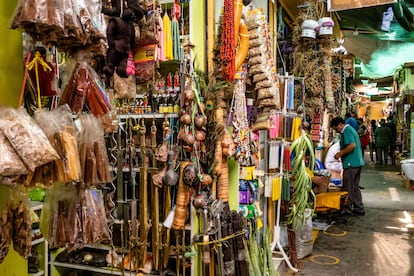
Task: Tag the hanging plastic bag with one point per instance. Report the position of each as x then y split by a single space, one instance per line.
5 231
94 226
304 235
10 162
28 140
58 126
93 154
148 27
85 91
125 88
22 225
60 222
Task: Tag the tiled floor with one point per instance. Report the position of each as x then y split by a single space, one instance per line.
379 243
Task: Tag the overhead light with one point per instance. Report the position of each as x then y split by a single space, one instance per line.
341 49
355 32
387 17
397 99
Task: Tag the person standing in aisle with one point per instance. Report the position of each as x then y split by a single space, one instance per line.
382 142
352 162
372 147
349 120
364 136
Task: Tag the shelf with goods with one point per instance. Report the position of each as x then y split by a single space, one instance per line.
40 273
38 259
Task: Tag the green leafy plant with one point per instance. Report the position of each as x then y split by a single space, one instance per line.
301 148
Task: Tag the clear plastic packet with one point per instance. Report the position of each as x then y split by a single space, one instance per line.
22 225
29 13
94 226
58 126
253 52
144 71
10 162
263 84
257 69
93 153
26 137
254 33
124 88
85 91
54 20
5 231
264 93
70 154
60 222
260 77
12 181
269 102
255 60
42 176
55 121
73 28
91 18
255 42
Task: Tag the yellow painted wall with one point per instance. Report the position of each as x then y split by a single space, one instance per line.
11 75
375 110
11 60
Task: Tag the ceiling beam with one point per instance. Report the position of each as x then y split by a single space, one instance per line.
287 8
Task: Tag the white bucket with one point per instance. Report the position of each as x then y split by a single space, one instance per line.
326 25
309 28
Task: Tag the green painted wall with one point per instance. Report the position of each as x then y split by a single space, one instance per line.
197 34
11 76
11 60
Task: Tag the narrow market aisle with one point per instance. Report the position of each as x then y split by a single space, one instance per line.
379 243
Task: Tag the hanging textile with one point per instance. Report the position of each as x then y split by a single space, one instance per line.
166 22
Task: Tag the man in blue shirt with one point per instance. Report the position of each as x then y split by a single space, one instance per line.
351 121
352 162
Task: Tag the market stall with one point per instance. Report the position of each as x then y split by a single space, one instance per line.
147 164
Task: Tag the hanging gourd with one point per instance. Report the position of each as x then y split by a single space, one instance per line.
240 32
243 46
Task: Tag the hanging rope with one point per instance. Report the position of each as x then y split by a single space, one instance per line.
35 63
26 72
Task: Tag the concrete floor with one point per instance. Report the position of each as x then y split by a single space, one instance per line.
379 243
